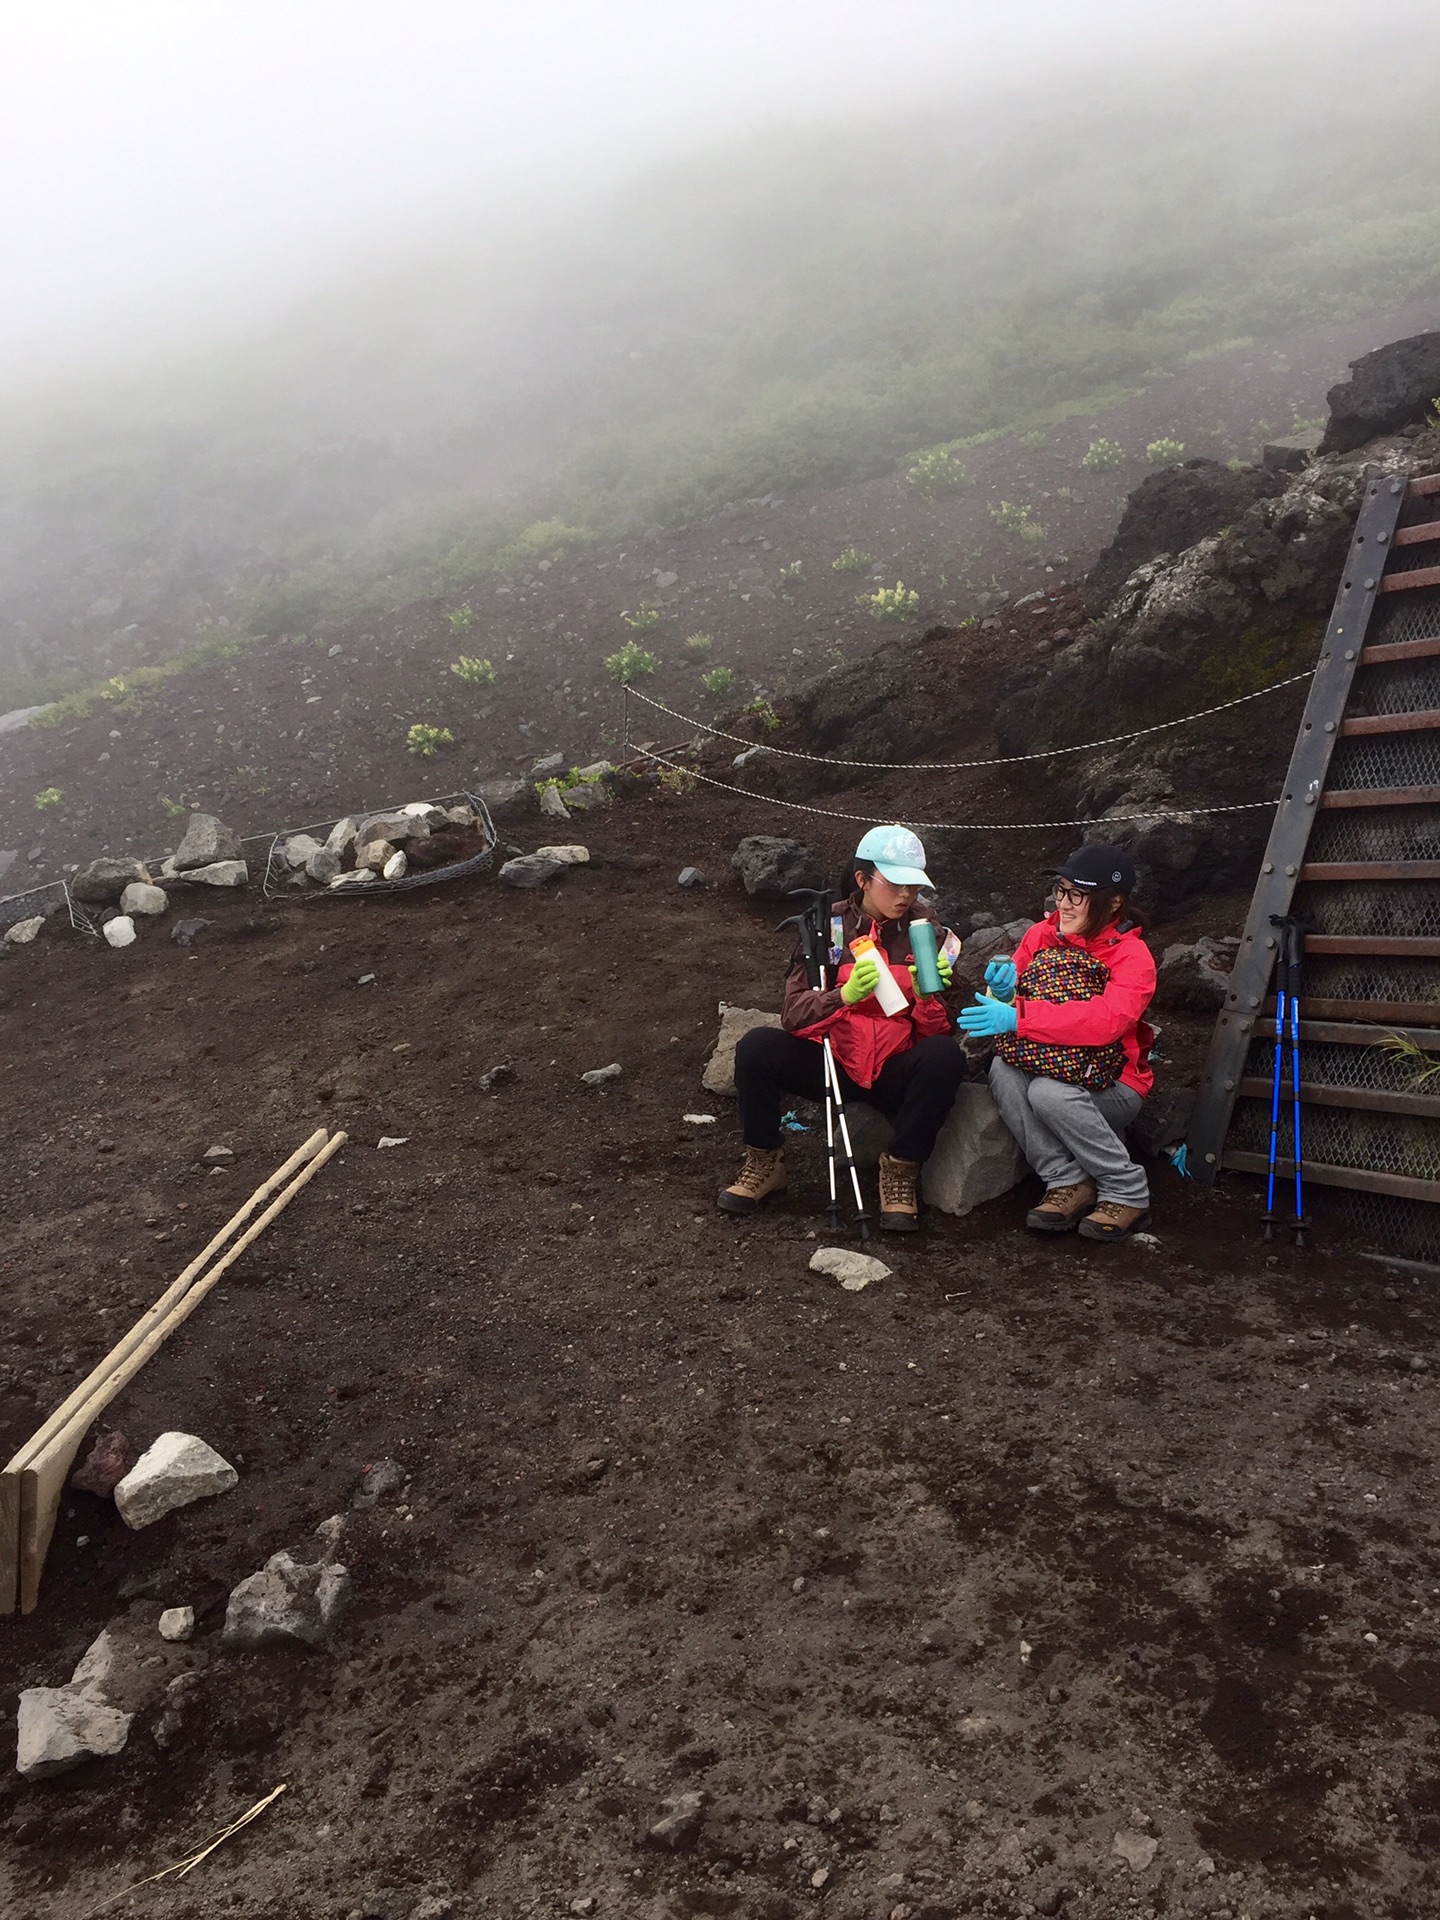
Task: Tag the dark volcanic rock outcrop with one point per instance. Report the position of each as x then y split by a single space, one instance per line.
1170 511
1394 386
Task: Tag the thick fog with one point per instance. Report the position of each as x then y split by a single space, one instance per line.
175 171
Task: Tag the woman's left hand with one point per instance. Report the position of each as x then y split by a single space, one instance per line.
988 1018
947 976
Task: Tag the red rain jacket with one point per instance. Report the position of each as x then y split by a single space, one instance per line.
862 1037
1114 1014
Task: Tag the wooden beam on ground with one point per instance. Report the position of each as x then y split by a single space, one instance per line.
25 1504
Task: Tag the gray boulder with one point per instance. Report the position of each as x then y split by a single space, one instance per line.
22 932
103 881
61 1726
976 1157
1389 388
373 854
394 827
719 1074
501 791
140 898
530 870
552 803
1162 1121
1168 512
298 850
286 1604
206 841
220 873
323 865
341 835
178 1469
589 794
1195 977
681 1818
770 868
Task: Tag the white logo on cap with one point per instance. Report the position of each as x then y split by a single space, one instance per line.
1116 874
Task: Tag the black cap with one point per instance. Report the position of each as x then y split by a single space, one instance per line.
1096 867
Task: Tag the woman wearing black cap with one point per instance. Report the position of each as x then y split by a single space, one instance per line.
1072 1050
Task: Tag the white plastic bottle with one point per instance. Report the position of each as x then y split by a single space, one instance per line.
889 992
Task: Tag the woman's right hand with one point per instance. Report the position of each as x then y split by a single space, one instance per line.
1000 979
864 979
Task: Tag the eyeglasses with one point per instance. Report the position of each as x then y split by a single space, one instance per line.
1069 896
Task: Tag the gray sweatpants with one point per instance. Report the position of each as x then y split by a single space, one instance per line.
1067 1132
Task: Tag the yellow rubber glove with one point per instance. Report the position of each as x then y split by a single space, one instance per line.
942 967
864 979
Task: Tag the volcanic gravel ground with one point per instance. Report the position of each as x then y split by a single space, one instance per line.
933 1590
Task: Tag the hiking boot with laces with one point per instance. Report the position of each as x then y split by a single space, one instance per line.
1112 1221
899 1207
761 1178
1062 1207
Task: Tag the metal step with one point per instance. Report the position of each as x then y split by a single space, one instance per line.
1371 870
1419 536
1426 721
1357 1179
1386 651
1315 1093
1402 582
1422 488
1405 1016
1379 797
1397 946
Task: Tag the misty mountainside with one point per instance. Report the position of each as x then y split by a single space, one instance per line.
809 308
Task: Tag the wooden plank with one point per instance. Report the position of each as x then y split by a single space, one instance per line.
41 1478
1423 486
1382 945
1371 870
1381 797
1403 582
1385 651
1424 721
10 1500
1322 1174
1316 1093
1417 536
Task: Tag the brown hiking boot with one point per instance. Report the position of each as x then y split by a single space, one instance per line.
761 1178
1111 1221
899 1207
1062 1207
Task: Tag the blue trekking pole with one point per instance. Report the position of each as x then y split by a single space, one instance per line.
1268 1217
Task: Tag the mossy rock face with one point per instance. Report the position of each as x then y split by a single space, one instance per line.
1258 658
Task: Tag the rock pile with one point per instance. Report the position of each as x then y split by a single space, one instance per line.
362 849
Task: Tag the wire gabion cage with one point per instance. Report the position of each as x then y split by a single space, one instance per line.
1396 686
1376 833
1403 1144
1376 1068
1386 760
1383 909
1414 615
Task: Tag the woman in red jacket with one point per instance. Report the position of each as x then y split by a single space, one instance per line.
906 1064
1072 1050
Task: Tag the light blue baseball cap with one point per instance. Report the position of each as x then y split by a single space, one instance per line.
897 854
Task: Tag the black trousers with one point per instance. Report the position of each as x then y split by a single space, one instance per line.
915 1089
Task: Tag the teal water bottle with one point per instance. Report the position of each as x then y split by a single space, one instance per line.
922 945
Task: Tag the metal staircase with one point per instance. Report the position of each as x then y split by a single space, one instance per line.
1355 852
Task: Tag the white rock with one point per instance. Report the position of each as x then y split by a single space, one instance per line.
140 898
698 1119
299 849
598 1076
177 1469
221 873
362 877
570 856
218 1153
177 1623
552 804
395 866
854 1271
286 1602
719 1074
119 932
97 1666
24 931
596 770
393 1140
61 1726
1137 1850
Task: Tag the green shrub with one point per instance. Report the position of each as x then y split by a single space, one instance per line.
892 603
852 560
764 715
937 471
1011 518
677 780
699 643
1103 456
1164 453
719 680
47 798
630 664
792 575
484 556
475 673
173 809
645 618
426 741
126 690
461 619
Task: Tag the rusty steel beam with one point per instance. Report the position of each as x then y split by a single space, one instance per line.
1357 1179
1425 721
1403 582
1371 870
1420 536
1387 650
1316 1093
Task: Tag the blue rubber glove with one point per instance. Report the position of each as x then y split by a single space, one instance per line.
1000 979
987 1018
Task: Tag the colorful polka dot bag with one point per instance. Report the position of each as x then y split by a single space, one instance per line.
1058 974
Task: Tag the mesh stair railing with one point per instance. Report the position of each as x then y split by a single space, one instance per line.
1355 854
